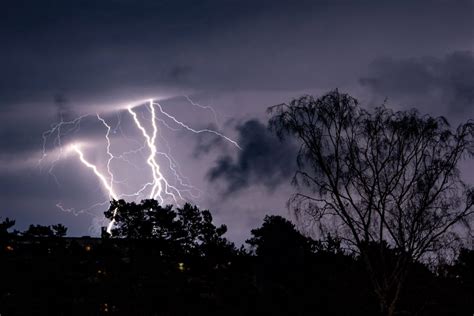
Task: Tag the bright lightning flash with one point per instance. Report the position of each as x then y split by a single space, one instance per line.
159 187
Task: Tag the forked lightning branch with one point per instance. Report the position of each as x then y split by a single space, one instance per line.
160 187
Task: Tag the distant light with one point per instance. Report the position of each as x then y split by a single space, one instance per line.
181 266
9 248
105 307
88 248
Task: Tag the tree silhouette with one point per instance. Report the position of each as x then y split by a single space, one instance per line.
200 235
278 236
39 231
5 226
188 229
378 177
147 220
59 230
5 235
282 256
463 268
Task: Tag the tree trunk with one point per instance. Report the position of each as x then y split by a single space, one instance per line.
388 302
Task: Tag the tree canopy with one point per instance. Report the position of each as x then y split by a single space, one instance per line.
278 236
378 176
186 228
41 231
5 225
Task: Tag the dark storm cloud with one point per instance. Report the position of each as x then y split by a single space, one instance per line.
441 82
90 48
264 159
206 144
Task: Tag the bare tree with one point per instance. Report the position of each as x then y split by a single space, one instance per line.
380 177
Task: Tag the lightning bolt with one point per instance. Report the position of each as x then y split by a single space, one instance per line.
158 187
111 157
159 183
103 180
57 131
194 130
205 107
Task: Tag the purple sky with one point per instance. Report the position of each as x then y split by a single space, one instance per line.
70 58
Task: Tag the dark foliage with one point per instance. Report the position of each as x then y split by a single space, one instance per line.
184 231
41 231
5 225
290 274
263 160
279 237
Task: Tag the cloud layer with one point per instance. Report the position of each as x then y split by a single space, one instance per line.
263 160
434 83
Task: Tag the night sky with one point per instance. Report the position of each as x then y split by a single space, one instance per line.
63 59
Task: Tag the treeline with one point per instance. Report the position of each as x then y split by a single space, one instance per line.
160 260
